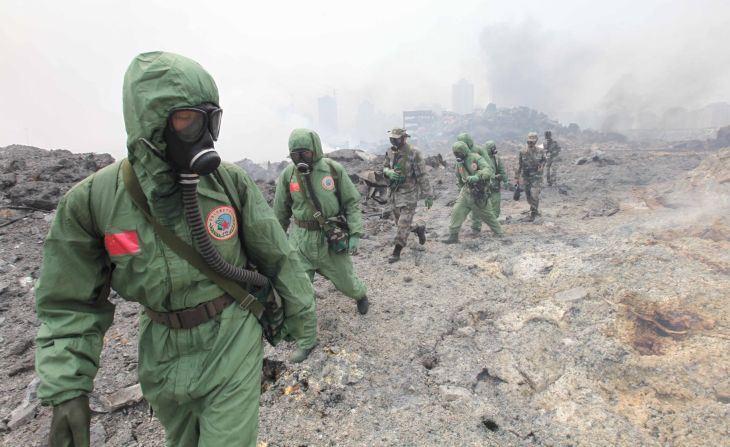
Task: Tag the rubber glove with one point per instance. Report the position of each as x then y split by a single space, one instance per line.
354 244
473 179
70 423
389 173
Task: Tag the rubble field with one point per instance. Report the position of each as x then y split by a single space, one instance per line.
605 323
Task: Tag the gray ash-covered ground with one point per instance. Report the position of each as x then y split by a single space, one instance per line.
605 324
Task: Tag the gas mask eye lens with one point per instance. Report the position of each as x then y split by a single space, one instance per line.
395 142
190 123
187 123
302 156
215 123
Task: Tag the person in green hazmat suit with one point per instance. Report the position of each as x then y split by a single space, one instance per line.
469 141
476 222
318 184
500 177
473 175
200 355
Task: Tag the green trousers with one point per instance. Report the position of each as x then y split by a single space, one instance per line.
204 383
495 204
466 204
317 257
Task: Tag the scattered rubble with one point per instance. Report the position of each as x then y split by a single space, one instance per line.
605 325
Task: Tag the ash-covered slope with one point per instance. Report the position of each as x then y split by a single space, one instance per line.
607 324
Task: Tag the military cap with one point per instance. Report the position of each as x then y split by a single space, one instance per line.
398 132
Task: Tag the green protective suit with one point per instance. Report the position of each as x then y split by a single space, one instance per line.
500 177
203 383
328 180
469 200
476 221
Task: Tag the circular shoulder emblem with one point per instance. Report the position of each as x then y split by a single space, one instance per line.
221 223
328 183
474 167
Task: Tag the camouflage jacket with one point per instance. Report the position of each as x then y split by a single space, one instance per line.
552 149
530 162
408 162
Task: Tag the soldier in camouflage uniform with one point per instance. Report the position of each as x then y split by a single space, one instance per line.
552 150
406 172
499 179
530 164
473 176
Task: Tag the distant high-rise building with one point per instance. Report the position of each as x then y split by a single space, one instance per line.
462 97
327 115
417 119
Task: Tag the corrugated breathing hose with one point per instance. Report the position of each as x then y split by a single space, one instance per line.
189 184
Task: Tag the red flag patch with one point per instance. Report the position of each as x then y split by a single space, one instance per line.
293 187
124 243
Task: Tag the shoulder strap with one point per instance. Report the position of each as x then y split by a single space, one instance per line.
309 198
224 177
336 178
185 250
103 186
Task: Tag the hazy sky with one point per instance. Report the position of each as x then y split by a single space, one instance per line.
63 61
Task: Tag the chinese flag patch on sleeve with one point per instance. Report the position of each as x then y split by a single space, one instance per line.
293 187
124 243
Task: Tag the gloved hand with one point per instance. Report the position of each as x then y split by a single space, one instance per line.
354 244
473 179
393 175
70 423
428 201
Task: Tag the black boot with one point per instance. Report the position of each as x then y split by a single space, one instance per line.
395 257
421 233
453 239
363 305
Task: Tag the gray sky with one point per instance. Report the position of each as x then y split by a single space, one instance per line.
63 62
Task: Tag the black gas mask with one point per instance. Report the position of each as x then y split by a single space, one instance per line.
303 160
459 157
396 142
189 134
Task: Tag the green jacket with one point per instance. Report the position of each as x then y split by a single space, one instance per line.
289 200
98 235
496 162
473 164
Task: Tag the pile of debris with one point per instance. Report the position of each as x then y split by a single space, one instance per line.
263 173
505 125
37 179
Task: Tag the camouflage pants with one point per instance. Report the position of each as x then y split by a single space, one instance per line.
550 171
466 204
533 186
404 222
